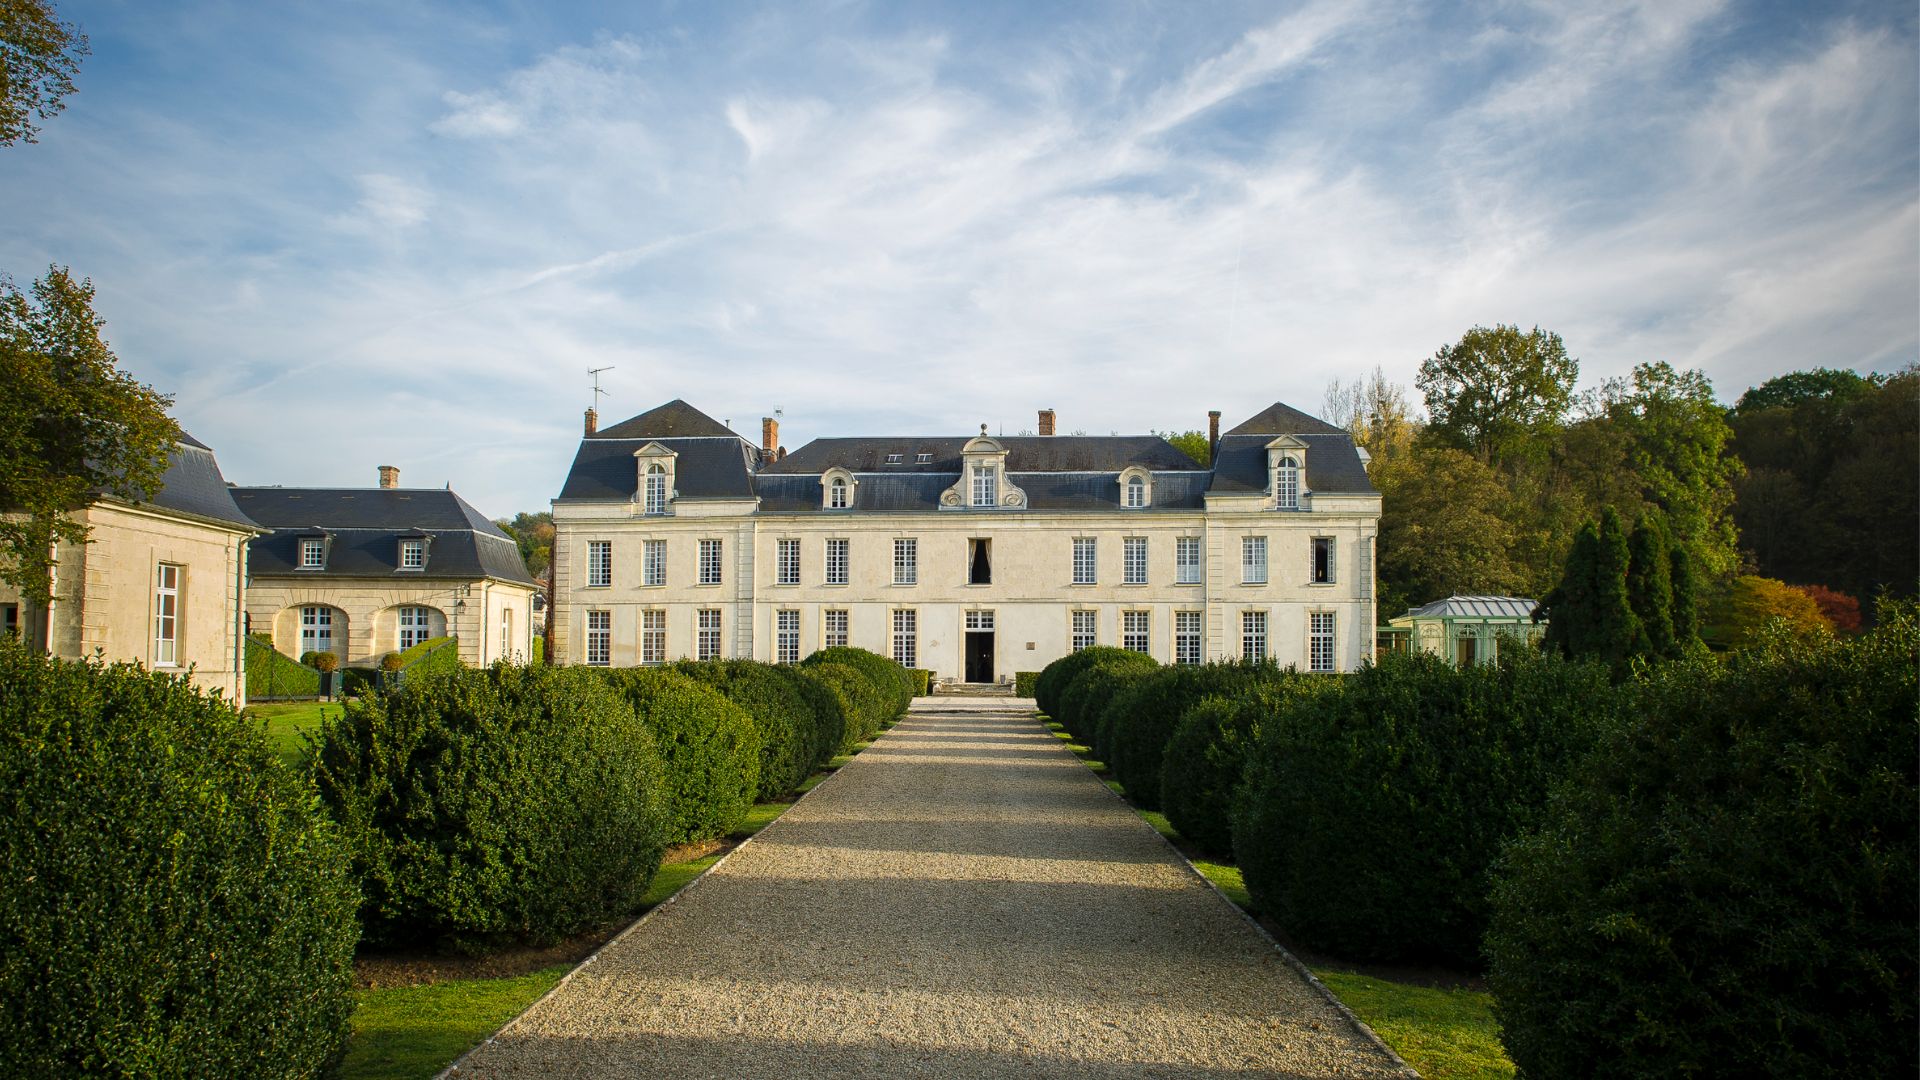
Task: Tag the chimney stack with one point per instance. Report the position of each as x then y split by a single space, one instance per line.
1046 421
593 421
770 438
1213 432
389 476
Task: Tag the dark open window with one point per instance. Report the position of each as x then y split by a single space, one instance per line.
1322 560
979 567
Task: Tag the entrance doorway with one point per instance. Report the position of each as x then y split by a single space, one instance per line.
980 646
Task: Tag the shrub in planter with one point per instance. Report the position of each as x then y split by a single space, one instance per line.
1139 720
866 705
496 805
1369 819
391 662
789 727
1057 676
1086 697
922 681
1205 758
174 904
322 662
709 750
1728 884
1024 682
895 683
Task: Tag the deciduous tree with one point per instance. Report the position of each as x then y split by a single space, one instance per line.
1499 391
39 55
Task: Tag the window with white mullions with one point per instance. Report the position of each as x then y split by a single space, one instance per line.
599 563
706 645
1085 552
415 626
653 637
413 554
906 638
166 615
786 637
313 554
1136 493
1253 560
1085 630
837 495
599 638
906 561
1320 641
833 628
787 560
1186 637
1286 484
1186 560
656 494
979 620
836 561
316 630
710 562
986 486
1133 562
1253 635
1135 631
653 562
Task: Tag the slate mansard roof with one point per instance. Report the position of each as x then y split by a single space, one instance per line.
1058 472
364 528
194 487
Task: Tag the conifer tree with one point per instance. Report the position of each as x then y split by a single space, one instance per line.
1650 588
1569 605
1685 609
1611 627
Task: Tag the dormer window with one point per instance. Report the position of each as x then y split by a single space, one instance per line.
836 489
654 494
986 486
1136 493
923 459
656 489
313 554
1136 488
893 459
837 494
413 554
1286 483
983 483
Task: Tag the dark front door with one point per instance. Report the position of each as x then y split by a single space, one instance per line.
980 656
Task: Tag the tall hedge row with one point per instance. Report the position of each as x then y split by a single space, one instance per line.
1205 758
1138 720
506 804
172 905
832 714
709 750
1368 823
1057 676
896 684
1730 884
864 705
789 726
1084 702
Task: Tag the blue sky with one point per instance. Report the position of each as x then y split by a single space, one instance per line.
354 234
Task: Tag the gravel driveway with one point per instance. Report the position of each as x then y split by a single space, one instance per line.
965 899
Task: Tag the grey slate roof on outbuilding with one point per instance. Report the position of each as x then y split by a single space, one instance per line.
1474 607
193 486
364 528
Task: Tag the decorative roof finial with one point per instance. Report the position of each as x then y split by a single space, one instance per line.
983 429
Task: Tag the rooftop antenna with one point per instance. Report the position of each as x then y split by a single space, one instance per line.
595 372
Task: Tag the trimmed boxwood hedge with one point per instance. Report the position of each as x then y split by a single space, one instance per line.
1134 728
173 904
789 726
1728 885
895 683
1024 683
832 714
866 705
1368 821
1085 699
514 803
1205 758
1057 676
709 750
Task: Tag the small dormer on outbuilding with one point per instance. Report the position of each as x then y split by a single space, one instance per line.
414 546
1287 473
654 491
983 481
837 488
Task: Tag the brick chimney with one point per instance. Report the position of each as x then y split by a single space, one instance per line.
1046 421
770 438
1213 432
593 421
389 476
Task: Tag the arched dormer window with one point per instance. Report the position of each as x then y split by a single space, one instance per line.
1136 493
983 483
1136 488
838 494
986 484
1286 483
836 489
656 489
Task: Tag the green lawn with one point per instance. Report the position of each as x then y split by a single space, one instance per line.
287 723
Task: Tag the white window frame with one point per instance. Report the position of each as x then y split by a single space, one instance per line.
599 639
712 562
313 554
839 493
1186 637
655 498
653 636
1253 560
834 626
599 564
707 638
1086 560
1321 642
1186 560
1314 547
906 637
980 620
1136 493
906 560
166 615
1133 560
1136 631
414 624
506 633
413 554
836 560
1253 635
653 562
986 486
314 619
786 624
1286 483
787 561
1084 629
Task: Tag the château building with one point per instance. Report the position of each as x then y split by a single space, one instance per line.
975 557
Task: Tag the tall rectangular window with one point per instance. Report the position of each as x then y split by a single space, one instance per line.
1133 561
599 563
166 615
653 637
656 497
906 638
786 628
413 554
1085 630
653 562
313 554
986 486
1186 560
1320 641
506 633
415 626
1134 630
906 561
1321 570
787 561
1186 637
1253 635
1085 550
599 638
709 562
1253 560
836 562
316 630
833 628
706 643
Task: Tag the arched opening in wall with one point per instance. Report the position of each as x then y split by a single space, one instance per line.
405 625
311 628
